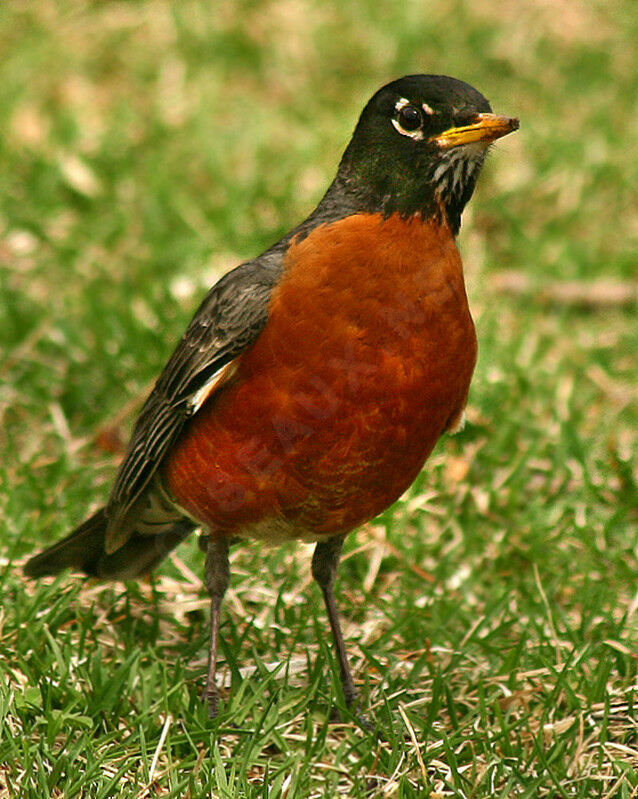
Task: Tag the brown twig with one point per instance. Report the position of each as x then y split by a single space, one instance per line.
595 294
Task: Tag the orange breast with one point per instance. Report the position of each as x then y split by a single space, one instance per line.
367 355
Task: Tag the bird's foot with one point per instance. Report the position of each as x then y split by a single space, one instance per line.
357 715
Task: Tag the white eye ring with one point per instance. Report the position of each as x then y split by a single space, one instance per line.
417 133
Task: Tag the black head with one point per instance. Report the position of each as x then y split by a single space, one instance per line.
419 146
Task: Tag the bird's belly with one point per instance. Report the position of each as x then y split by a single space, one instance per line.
312 457
333 411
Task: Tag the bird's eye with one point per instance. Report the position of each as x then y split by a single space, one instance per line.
410 118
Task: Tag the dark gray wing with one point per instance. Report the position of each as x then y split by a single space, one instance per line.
229 319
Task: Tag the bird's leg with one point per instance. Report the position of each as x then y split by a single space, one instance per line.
217 579
324 569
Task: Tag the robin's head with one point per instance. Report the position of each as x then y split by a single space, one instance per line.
419 146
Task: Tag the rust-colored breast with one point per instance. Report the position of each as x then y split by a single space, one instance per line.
367 356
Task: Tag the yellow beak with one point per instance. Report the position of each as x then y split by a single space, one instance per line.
485 128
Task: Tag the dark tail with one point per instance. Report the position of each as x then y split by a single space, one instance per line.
83 550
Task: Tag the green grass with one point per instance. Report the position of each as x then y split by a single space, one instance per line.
491 613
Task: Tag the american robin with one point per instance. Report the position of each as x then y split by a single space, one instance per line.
313 381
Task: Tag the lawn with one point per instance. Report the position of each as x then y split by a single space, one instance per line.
490 614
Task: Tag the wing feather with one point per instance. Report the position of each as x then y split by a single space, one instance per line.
227 322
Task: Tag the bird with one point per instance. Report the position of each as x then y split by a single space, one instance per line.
313 381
